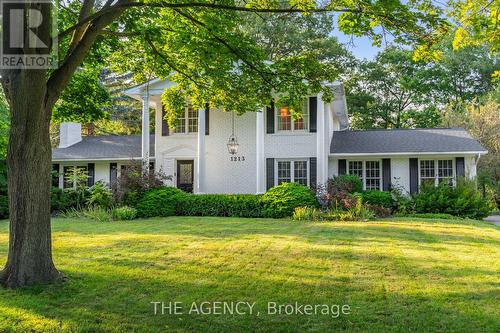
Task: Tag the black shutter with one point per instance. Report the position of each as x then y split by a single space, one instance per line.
270 118
269 173
207 119
313 114
342 167
386 174
313 163
55 175
413 175
165 131
90 174
460 166
113 173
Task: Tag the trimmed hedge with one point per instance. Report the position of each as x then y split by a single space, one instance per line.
281 200
160 202
238 205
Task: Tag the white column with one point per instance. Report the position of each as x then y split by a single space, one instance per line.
327 132
259 152
200 162
320 141
145 132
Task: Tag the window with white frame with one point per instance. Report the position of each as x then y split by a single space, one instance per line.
433 172
368 172
356 168
292 171
297 122
188 122
372 175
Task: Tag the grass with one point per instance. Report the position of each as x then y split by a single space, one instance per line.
396 275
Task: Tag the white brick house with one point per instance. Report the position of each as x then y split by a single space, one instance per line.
273 148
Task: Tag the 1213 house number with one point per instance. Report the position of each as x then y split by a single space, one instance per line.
237 158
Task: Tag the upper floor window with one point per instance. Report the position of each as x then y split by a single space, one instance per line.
368 172
288 122
188 122
434 172
292 171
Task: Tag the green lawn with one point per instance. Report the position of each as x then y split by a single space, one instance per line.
396 275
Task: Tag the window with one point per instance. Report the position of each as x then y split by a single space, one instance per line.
288 122
445 171
368 172
372 175
356 168
188 122
300 172
434 172
292 171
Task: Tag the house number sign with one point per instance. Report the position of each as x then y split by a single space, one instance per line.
237 158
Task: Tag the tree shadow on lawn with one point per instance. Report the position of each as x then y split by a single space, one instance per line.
108 301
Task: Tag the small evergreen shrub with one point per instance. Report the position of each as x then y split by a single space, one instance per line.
238 205
378 198
463 200
160 202
281 201
124 213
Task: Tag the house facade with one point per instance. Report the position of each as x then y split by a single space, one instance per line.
272 147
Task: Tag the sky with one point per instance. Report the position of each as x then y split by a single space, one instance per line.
361 47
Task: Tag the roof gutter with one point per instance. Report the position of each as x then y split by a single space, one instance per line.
412 153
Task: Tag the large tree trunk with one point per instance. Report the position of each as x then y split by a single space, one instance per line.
29 180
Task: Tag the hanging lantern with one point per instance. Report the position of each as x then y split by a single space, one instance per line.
232 144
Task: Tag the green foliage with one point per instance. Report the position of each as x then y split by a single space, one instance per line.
281 200
4 200
91 212
345 183
100 195
379 198
238 205
433 216
464 200
124 213
62 200
4 125
307 214
85 99
160 202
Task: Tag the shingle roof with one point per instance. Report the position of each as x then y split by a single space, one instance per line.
107 147
439 140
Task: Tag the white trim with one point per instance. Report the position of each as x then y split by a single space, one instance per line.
411 153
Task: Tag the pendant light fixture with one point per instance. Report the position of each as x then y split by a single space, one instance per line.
232 144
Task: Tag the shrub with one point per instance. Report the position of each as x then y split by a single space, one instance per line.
4 206
378 198
281 200
94 213
133 183
240 205
160 202
345 183
100 195
464 200
124 213
433 216
62 200
379 211
307 214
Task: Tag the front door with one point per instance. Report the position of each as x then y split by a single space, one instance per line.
185 175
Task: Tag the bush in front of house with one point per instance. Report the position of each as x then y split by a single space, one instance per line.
281 201
378 198
234 205
463 200
345 183
160 202
100 195
124 213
